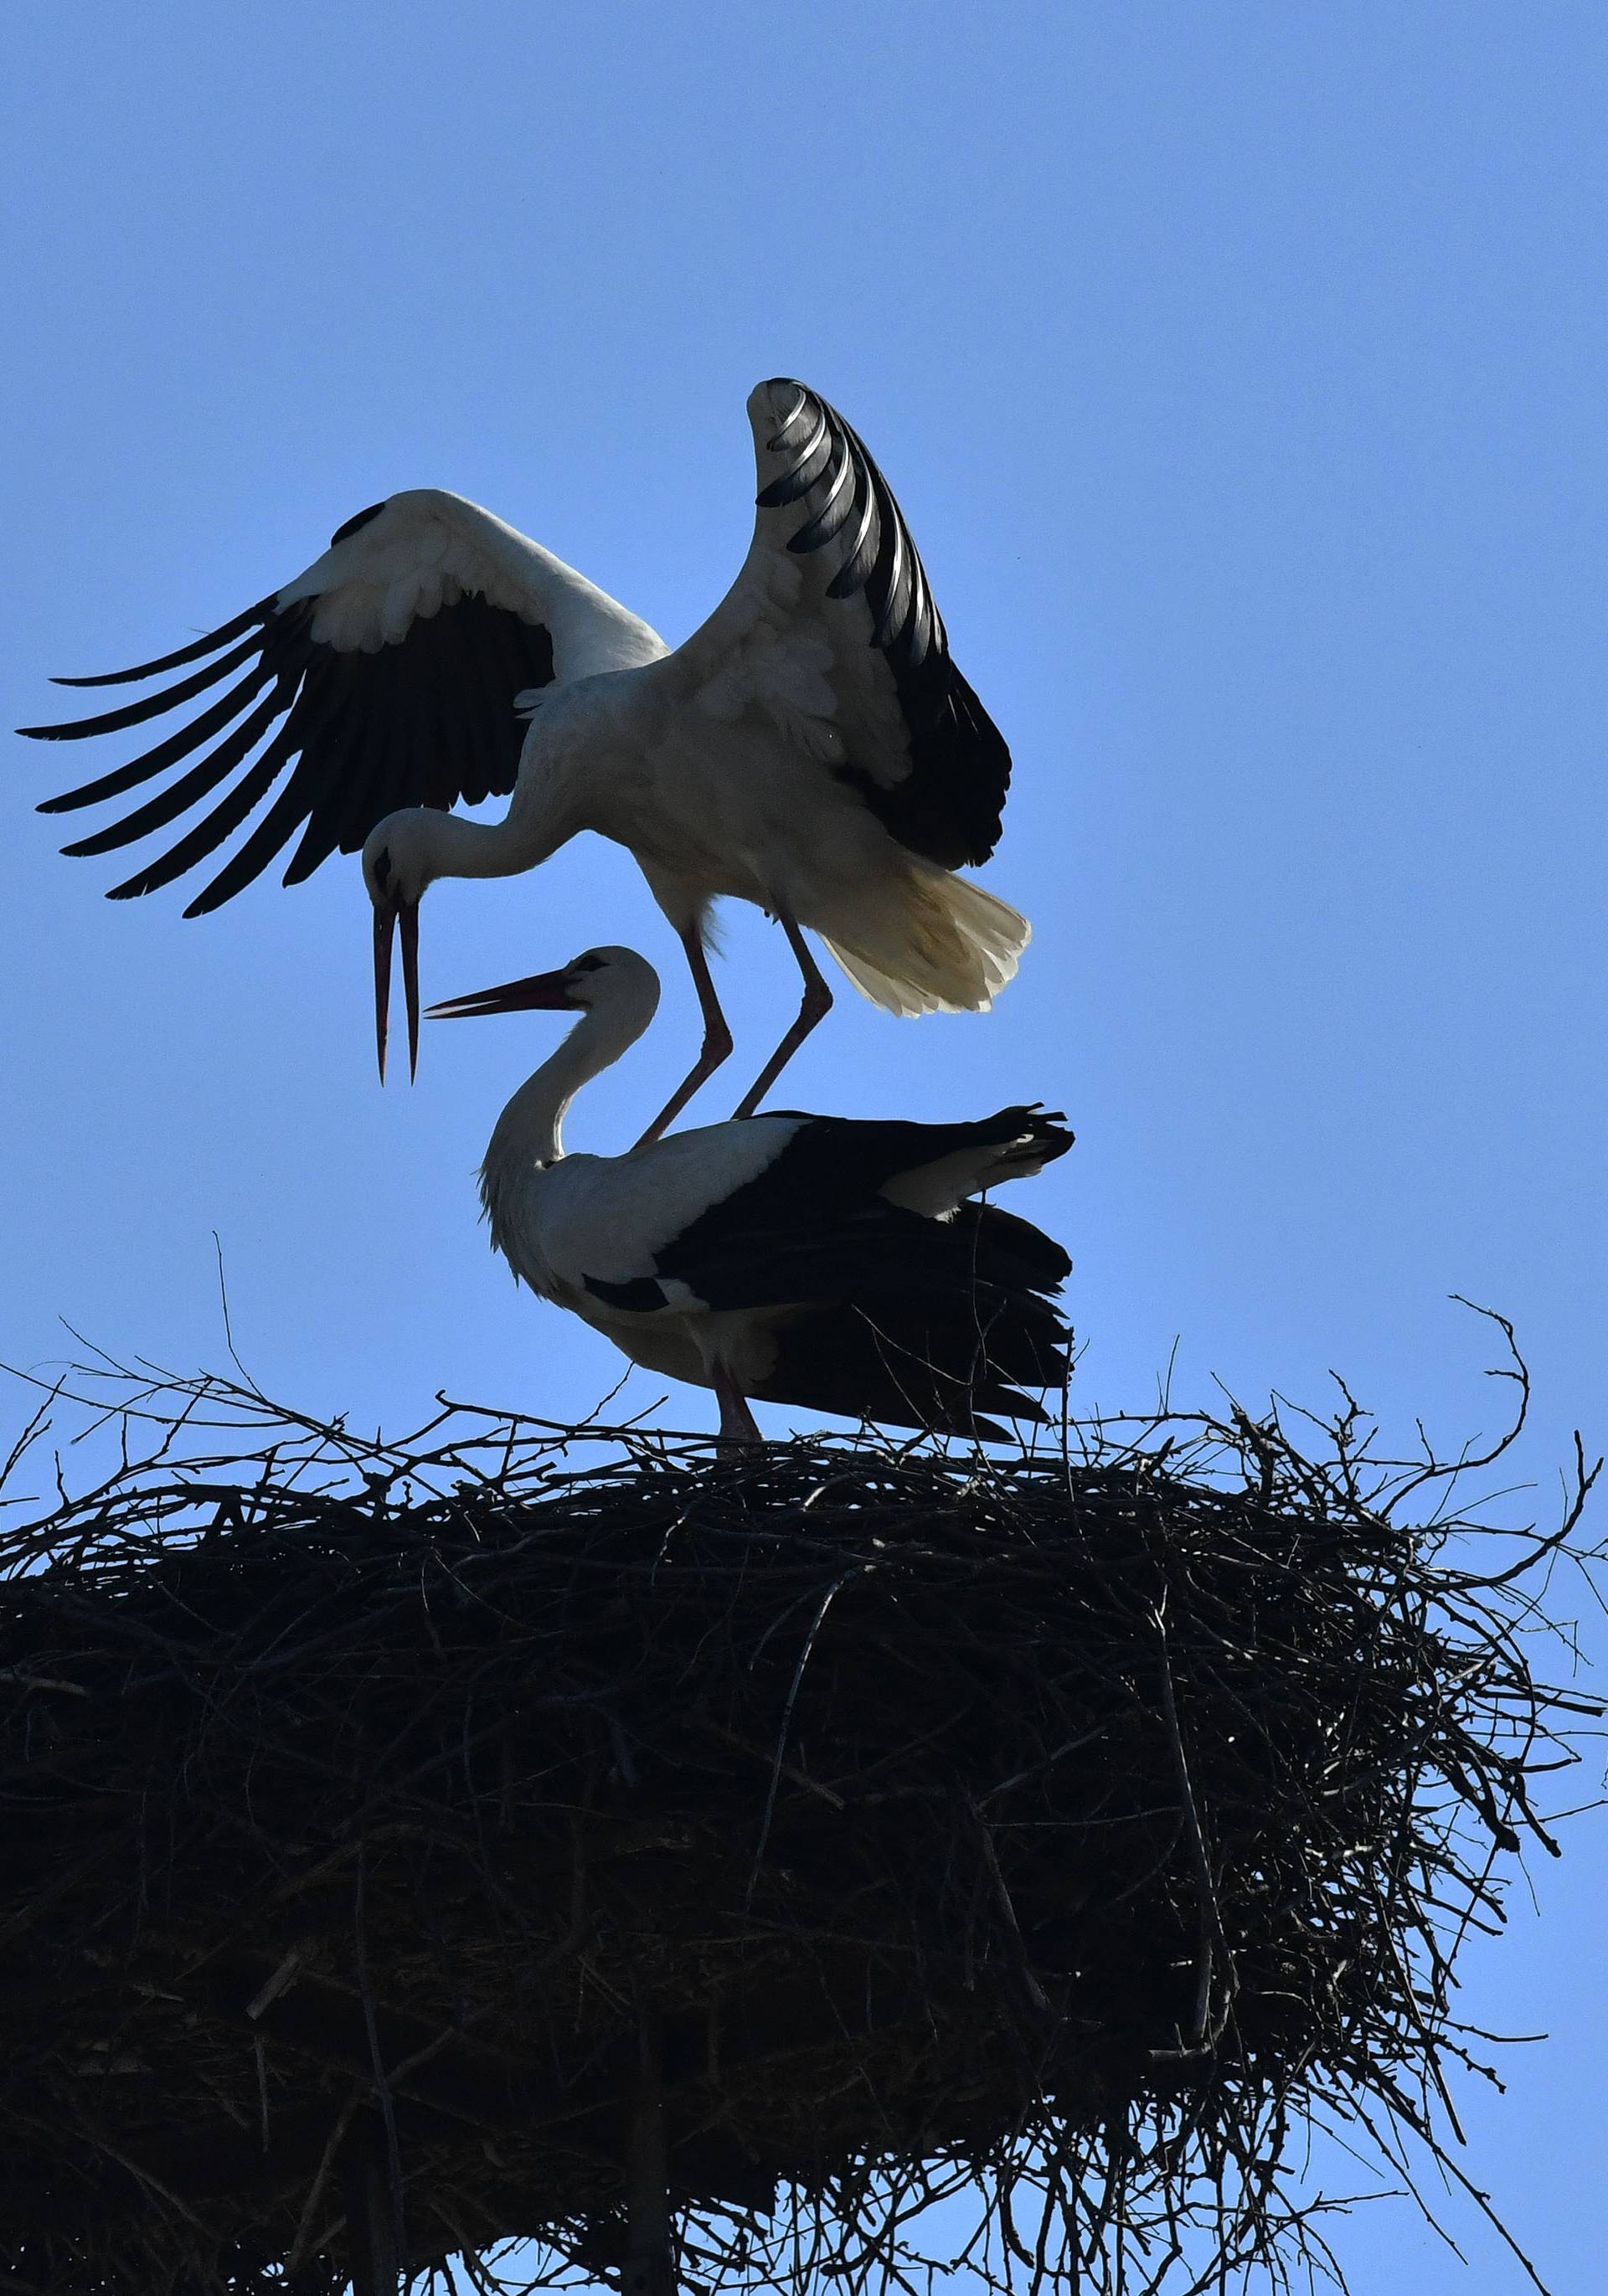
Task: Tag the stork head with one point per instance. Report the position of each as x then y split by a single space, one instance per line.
398 861
616 981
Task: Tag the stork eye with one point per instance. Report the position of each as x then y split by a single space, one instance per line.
587 964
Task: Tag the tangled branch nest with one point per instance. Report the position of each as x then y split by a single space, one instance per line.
1071 1830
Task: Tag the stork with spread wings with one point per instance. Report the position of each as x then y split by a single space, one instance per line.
812 747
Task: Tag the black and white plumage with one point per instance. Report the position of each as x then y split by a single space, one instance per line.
806 1260
812 747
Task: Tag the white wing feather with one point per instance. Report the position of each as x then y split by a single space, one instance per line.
428 547
777 649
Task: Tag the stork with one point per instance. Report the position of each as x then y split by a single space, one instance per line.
818 1260
812 747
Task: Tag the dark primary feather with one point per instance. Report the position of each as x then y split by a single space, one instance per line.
938 1363
150 762
194 652
947 806
152 705
428 720
157 812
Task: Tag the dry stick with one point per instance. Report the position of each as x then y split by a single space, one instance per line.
649 2270
781 1754
153 2184
1035 1991
298 2245
1210 1919
262 2084
374 2249
395 2242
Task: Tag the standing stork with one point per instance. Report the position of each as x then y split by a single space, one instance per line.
807 1259
812 747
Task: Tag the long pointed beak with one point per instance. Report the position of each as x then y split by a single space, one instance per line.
410 983
386 920
541 992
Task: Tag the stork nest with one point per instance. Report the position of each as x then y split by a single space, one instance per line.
1077 1828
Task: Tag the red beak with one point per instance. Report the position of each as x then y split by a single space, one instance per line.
386 920
541 992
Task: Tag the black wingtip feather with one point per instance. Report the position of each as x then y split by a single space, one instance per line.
210 833
136 713
169 752
373 732
947 808
221 636
185 791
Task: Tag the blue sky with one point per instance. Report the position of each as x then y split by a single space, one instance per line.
1242 373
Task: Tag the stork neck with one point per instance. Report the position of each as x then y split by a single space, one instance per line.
527 833
529 1131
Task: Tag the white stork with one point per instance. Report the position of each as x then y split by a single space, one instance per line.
812 747
807 1259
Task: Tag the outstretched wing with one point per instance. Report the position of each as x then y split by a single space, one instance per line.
831 631
383 676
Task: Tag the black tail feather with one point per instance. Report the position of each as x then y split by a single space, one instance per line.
938 1363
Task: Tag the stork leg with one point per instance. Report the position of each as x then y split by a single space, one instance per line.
816 1005
738 1425
717 1037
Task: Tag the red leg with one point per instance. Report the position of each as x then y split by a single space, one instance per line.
816 1005
716 1038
